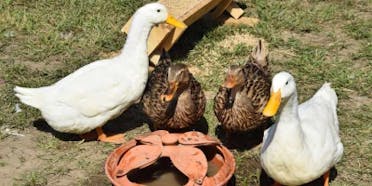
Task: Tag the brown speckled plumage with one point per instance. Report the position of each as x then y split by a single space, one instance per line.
184 110
242 111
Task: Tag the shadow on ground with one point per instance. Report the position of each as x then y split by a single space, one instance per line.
265 180
242 140
191 37
200 126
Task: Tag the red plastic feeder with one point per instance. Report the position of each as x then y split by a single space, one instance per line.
162 158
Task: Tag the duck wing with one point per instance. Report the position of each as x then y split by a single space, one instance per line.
198 98
322 130
154 108
322 104
189 110
257 86
97 88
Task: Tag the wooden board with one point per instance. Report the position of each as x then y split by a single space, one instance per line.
188 11
156 36
218 11
235 11
249 21
189 18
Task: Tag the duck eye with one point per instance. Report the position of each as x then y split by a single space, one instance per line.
286 83
158 10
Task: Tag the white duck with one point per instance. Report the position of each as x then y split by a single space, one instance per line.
304 142
89 97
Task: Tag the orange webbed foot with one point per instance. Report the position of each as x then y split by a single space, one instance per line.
117 138
326 178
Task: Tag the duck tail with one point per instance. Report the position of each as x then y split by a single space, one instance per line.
327 93
29 96
260 57
165 57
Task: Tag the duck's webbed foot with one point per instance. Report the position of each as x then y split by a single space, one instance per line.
326 178
117 138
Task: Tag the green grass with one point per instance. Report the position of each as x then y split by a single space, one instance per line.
34 178
317 41
360 29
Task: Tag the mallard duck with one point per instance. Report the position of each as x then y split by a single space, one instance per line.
89 97
173 98
241 99
304 142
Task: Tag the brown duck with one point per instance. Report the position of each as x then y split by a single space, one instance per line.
173 99
242 97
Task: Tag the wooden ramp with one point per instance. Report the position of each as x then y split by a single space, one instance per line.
188 11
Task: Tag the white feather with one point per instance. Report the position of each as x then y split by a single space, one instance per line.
304 143
103 89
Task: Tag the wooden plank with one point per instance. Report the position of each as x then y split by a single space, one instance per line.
171 38
188 11
189 18
198 11
249 21
234 10
181 13
159 34
156 36
179 8
155 56
219 9
125 28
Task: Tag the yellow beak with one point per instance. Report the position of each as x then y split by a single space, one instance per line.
173 21
273 104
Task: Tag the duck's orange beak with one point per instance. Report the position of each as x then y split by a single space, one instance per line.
173 21
230 82
170 92
273 104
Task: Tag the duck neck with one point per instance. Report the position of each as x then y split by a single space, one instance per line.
288 125
289 111
136 44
